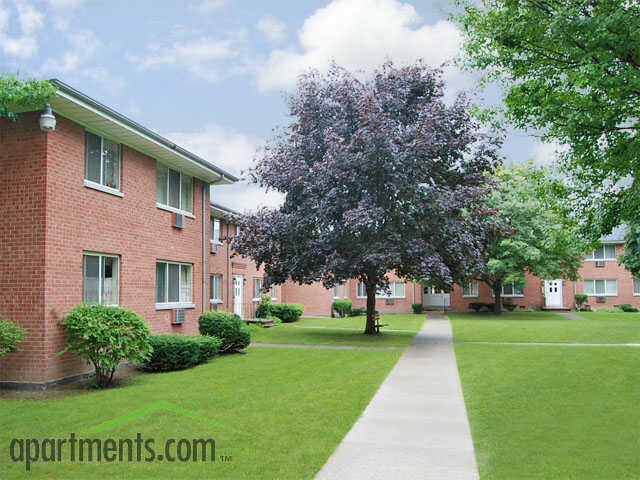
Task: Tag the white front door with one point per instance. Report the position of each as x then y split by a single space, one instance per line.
432 297
237 294
553 293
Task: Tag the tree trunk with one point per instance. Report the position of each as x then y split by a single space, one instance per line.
370 328
497 295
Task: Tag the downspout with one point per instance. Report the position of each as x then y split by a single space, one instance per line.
205 196
229 279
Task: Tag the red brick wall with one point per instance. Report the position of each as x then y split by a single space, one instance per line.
22 237
316 299
80 219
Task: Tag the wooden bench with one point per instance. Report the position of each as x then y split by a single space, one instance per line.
379 325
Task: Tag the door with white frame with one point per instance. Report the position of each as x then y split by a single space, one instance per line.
432 297
553 293
237 294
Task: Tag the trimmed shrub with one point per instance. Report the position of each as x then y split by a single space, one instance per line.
625 307
357 312
416 307
477 306
580 299
264 309
342 307
177 352
10 335
104 336
287 312
209 346
228 327
509 306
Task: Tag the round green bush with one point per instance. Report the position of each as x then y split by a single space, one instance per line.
10 335
416 307
209 346
177 352
228 327
342 307
104 336
287 312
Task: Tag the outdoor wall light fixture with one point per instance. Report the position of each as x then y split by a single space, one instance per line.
47 120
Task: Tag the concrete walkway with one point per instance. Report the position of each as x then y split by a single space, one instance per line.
571 316
416 425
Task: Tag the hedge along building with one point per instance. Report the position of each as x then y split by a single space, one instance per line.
100 209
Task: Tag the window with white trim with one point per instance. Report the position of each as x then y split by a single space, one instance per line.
102 161
174 283
337 288
273 291
397 289
215 288
258 283
605 252
636 287
601 287
470 289
100 278
215 230
174 189
512 290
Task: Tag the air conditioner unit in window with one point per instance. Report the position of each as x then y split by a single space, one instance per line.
601 299
600 263
214 247
178 220
389 301
177 316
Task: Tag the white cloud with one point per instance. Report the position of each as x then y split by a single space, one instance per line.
359 35
234 152
65 4
24 47
208 6
30 19
271 27
201 57
83 47
547 153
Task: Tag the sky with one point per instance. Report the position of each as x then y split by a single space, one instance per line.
211 74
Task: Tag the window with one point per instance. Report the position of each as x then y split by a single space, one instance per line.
257 287
174 189
238 229
215 230
273 292
602 288
215 288
605 252
397 291
636 287
100 279
102 161
174 283
512 290
337 288
336 291
470 289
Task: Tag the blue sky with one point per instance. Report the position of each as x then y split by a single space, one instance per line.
209 74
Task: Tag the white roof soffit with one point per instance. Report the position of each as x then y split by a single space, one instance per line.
96 117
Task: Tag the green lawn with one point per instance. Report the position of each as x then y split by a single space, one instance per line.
409 321
610 315
327 336
287 410
546 327
557 412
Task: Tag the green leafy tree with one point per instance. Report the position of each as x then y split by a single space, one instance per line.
542 238
570 69
18 95
104 336
10 335
631 256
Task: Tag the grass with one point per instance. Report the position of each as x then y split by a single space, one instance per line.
546 327
541 412
411 322
288 410
347 331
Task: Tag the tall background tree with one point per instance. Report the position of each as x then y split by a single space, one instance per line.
541 238
378 176
19 95
571 69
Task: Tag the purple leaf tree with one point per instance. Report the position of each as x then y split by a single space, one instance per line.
379 175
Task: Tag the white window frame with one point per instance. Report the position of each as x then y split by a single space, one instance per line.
211 298
180 303
472 285
592 256
166 206
273 291
100 185
213 239
606 280
257 291
513 287
636 280
101 256
392 287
